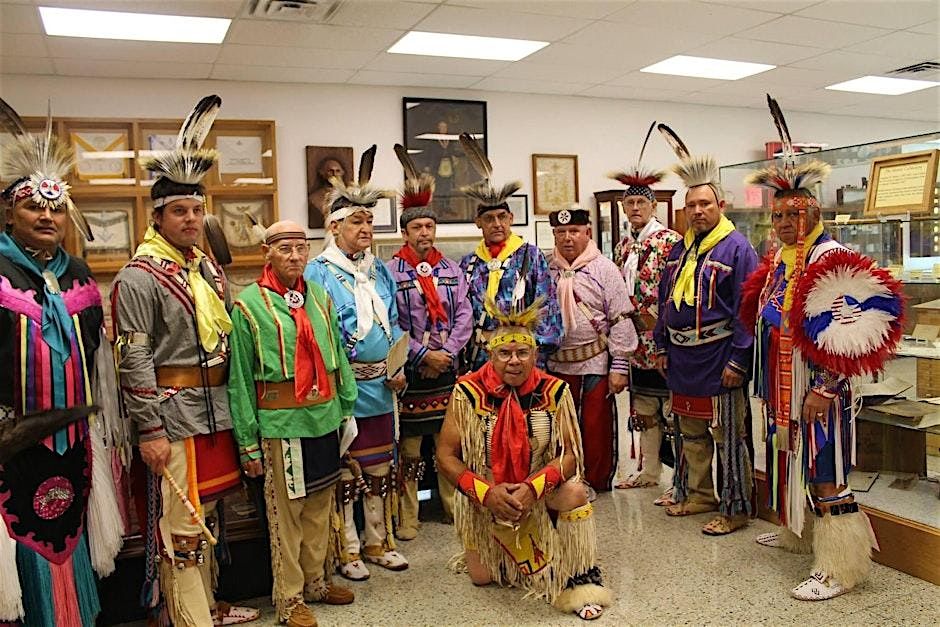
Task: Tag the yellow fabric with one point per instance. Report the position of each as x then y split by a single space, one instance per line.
506 338
788 257
684 287
480 488
513 244
211 317
539 484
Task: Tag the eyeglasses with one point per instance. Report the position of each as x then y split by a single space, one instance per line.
504 354
286 250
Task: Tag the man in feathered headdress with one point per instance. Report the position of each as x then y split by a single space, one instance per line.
822 314
503 268
363 292
170 310
512 446
598 338
290 388
704 351
642 255
57 499
433 308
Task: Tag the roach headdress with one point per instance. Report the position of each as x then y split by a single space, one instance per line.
637 178
39 165
694 170
416 192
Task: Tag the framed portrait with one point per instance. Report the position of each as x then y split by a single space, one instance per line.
385 216
322 163
519 205
555 181
432 130
902 183
544 237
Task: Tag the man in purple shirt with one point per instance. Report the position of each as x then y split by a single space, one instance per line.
704 352
434 309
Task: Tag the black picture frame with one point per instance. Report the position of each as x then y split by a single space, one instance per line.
519 205
444 158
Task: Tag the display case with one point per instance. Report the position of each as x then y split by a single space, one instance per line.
897 467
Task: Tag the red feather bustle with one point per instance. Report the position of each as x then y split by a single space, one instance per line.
848 366
421 198
751 291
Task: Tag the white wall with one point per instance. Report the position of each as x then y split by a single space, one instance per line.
605 134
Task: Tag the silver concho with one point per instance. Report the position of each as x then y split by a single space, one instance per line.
294 299
564 216
494 264
424 269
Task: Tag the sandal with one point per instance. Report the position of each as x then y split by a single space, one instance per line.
723 525
228 614
634 482
689 509
771 539
665 499
589 611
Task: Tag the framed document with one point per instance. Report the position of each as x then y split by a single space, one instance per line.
385 216
240 155
902 183
544 237
519 206
233 213
555 182
97 165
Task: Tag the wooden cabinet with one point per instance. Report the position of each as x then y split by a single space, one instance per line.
608 216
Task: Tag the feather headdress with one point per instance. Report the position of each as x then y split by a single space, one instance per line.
358 195
483 191
694 170
515 325
639 179
790 177
39 164
188 162
416 192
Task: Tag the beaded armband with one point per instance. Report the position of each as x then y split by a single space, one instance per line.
544 481
473 486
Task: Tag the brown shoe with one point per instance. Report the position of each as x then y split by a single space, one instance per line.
301 616
338 595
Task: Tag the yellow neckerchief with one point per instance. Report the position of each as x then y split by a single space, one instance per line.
211 317
513 243
788 257
684 287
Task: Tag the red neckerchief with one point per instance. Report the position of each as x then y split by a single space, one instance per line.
510 456
436 311
495 249
309 369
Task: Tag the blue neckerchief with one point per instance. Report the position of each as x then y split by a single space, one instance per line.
56 323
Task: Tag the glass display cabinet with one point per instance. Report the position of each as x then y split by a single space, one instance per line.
611 223
897 470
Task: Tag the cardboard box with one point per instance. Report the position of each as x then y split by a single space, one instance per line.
882 447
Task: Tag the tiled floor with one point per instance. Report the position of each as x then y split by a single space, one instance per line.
663 571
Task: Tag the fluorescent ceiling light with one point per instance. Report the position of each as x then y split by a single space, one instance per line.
465 46
133 26
882 85
702 67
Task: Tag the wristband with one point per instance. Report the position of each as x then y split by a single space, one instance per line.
544 481
824 393
473 486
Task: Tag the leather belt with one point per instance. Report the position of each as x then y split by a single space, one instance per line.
280 395
581 353
365 370
706 335
191 376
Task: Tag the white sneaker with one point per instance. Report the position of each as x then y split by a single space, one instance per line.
354 571
392 560
819 587
771 539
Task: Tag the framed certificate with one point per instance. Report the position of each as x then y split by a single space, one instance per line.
236 215
902 183
385 216
555 182
240 155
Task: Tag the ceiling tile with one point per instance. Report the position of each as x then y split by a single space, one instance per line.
851 62
264 32
278 74
664 81
130 69
497 22
612 40
690 16
17 44
434 65
199 8
530 87
925 115
904 45
714 99
26 65
411 79
20 18
280 56
893 14
629 92
607 55
381 14
556 72
928 28
121 50
737 49
789 29
587 9
771 6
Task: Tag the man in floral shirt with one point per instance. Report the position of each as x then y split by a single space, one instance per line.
642 256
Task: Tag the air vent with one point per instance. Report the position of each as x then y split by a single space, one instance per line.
918 68
316 11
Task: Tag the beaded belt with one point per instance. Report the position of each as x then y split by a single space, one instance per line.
365 370
581 353
706 335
